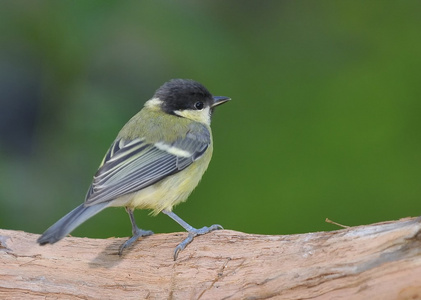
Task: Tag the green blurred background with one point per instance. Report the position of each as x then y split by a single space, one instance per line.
324 120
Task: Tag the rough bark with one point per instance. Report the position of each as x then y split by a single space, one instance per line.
379 261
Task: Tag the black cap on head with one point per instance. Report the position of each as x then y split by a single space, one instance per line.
180 94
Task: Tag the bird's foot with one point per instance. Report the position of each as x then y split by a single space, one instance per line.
192 233
137 233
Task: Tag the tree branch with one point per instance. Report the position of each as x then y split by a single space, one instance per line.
379 261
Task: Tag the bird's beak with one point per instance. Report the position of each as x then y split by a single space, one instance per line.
217 100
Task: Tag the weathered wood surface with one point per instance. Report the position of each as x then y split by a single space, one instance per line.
379 261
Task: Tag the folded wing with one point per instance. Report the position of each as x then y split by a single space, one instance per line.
132 165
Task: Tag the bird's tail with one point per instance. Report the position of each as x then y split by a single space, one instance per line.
69 222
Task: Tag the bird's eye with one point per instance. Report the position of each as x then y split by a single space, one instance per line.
199 105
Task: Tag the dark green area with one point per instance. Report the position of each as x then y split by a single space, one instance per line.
325 118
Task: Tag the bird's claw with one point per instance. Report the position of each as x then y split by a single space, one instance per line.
136 234
191 236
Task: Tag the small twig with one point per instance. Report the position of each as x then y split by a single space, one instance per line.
335 223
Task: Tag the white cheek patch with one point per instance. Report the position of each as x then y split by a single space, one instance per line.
207 115
173 150
202 116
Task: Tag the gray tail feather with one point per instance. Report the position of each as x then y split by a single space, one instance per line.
69 222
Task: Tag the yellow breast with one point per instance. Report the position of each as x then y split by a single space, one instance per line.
170 191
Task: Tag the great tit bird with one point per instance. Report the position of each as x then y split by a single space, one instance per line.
155 162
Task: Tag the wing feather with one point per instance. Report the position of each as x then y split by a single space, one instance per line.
132 165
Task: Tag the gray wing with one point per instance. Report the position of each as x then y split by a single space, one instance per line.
132 165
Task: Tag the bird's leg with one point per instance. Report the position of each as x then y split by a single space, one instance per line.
190 229
136 232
